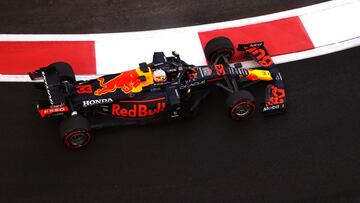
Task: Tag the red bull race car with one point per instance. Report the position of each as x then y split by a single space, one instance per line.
168 88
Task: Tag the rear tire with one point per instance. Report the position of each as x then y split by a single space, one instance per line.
75 132
64 71
241 105
217 47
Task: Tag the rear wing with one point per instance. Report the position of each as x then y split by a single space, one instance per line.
275 97
55 103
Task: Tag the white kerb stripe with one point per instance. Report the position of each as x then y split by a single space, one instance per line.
333 25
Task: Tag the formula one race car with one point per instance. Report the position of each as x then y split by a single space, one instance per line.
165 89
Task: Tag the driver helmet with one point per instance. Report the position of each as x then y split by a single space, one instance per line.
159 75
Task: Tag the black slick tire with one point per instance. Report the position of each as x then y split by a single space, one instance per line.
64 71
219 46
240 105
75 132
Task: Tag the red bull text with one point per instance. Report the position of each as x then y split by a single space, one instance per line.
139 109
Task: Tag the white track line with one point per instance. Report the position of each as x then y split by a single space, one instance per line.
250 64
333 25
199 28
117 52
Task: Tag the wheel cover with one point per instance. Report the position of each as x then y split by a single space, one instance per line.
77 139
242 110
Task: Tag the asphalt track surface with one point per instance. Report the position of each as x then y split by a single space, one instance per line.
309 154
89 16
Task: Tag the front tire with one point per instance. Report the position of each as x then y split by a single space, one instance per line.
75 132
241 105
217 47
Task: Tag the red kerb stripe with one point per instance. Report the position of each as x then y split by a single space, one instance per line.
22 57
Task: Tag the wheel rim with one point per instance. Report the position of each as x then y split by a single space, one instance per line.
242 110
77 139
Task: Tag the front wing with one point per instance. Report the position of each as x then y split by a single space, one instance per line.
275 97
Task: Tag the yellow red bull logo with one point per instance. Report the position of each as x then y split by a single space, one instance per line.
127 81
255 74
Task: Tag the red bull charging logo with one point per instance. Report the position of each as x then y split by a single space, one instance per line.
127 81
